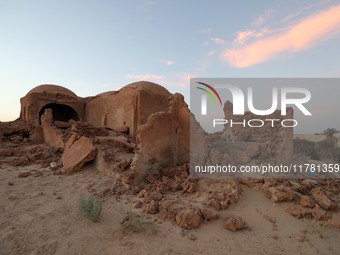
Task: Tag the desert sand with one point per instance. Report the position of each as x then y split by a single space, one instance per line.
40 215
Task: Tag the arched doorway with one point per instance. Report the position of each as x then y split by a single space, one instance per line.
60 112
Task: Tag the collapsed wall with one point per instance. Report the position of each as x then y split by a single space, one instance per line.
164 140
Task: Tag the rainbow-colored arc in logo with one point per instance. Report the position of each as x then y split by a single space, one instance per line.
209 93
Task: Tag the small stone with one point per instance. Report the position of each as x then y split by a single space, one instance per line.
192 237
209 215
235 223
53 165
152 207
137 204
24 174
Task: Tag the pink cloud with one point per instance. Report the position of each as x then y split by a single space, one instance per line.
296 37
244 36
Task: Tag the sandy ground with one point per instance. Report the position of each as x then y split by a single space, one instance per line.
40 215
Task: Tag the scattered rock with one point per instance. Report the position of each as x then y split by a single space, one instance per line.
142 193
279 194
20 161
189 220
306 201
235 223
152 207
137 204
192 237
321 198
53 165
209 215
309 182
300 212
154 195
24 174
169 209
190 186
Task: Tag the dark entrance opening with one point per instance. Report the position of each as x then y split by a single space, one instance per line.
60 112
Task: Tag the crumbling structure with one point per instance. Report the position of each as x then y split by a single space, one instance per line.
150 123
156 120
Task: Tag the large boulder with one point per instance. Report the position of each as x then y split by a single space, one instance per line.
77 152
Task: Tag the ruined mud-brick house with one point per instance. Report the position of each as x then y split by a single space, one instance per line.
156 124
147 112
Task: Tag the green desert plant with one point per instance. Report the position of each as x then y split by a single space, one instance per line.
91 207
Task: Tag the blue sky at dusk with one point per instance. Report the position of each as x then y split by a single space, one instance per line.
95 46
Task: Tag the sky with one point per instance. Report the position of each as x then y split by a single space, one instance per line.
95 46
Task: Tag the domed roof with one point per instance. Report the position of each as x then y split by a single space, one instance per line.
150 87
52 89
